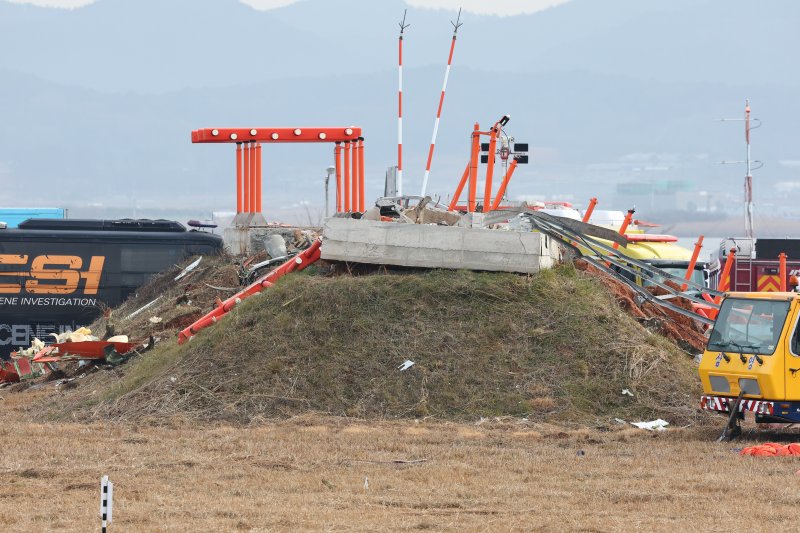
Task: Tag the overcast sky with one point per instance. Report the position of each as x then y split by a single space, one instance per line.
495 7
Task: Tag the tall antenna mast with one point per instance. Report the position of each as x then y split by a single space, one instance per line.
403 26
748 179
749 229
457 24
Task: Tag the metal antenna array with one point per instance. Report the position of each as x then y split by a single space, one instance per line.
748 179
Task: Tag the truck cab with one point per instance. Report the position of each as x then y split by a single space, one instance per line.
754 350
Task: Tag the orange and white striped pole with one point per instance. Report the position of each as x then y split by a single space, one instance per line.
403 26
457 24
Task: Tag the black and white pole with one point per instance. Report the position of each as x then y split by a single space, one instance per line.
106 501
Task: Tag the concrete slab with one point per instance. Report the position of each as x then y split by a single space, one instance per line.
431 246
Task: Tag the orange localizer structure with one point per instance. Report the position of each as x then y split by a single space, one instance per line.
350 185
361 181
239 191
347 176
473 169
337 157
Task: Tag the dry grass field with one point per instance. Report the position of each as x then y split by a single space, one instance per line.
309 473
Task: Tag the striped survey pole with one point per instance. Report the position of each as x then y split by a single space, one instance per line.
403 26
457 24
106 501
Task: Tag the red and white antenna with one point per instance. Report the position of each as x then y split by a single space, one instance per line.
403 26
749 230
457 24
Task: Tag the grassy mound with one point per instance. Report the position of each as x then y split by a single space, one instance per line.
552 347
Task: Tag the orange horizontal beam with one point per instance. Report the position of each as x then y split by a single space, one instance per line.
276 135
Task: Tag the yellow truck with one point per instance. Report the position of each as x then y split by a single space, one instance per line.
752 359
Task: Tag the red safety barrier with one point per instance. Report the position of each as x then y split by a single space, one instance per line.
302 260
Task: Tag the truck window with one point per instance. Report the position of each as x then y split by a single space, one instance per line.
748 326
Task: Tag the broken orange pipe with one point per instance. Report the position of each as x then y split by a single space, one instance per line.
725 278
504 184
487 193
693 261
782 271
299 262
459 189
625 224
589 210
239 177
337 156
347 176
473 170
259 180
362 182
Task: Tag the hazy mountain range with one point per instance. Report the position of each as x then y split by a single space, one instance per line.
97 103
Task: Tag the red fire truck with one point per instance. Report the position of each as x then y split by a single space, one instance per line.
757 263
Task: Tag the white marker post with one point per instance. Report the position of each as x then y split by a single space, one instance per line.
106 501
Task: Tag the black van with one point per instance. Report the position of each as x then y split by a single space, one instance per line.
57 275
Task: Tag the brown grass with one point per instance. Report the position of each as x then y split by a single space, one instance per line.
308 473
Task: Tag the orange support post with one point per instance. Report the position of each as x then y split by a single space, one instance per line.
252 177
259 180
459 189
625 224
504 184
693 261
354 184
487 193
589 210
239 177
782 258
337 156
246 178
724 284
347 176
362 182
473 170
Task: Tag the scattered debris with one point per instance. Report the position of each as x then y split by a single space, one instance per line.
408 363
189 268
155 319
627 392
145 306
653 425
772 449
